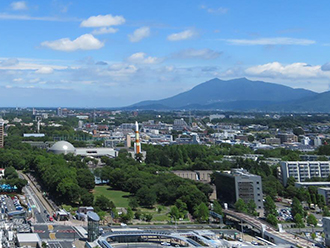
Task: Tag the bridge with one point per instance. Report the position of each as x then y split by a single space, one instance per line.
268 231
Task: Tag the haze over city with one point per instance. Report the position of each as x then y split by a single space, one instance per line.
117 53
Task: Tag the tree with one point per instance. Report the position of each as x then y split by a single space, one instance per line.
138 214
146 196
326 212
87 198
298 131
269 206
240 206
85 179
182 206
148 217
311 220
271 219
174 213
250 138
313 236
10 173
251 207
320 201
296 207
202 212
133 203
217 207
129 214
299 221
291 181
104 203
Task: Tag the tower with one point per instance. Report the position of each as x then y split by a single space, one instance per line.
59 111
2 134
137 144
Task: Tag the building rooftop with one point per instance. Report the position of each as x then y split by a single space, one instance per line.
28 237
62 147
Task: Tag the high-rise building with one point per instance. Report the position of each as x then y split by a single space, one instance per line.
128 140
59 111
2 134
302 170
239 184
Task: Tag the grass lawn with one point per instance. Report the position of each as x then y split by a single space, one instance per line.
120 198
162 216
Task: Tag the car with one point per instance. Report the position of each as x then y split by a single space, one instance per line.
51 218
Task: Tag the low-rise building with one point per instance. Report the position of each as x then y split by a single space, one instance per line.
29 240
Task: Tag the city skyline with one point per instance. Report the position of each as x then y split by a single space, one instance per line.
116 53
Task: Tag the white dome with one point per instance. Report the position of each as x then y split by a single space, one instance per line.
62 147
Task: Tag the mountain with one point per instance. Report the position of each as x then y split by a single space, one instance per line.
236 94
318 103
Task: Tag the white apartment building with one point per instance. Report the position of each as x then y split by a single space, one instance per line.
302 170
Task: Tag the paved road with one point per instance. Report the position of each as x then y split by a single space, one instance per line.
36 206
59 244
54 232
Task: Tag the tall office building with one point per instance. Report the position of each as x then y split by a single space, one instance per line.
239 184
302 170
59 111
2 134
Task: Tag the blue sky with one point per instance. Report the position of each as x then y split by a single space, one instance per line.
115 53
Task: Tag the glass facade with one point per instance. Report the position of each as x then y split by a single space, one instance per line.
93 228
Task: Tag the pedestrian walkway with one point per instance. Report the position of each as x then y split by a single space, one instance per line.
81 231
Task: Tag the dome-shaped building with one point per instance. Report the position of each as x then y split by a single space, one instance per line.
62 147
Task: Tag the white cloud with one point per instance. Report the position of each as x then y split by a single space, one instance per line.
198 54
4 16
219 10
17 80
187 34
9 62
103 21
139 34
45 70
291 71
84 42
142 58
104 30
271 41
13 65
20 5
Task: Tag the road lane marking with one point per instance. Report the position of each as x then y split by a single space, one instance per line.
52 236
